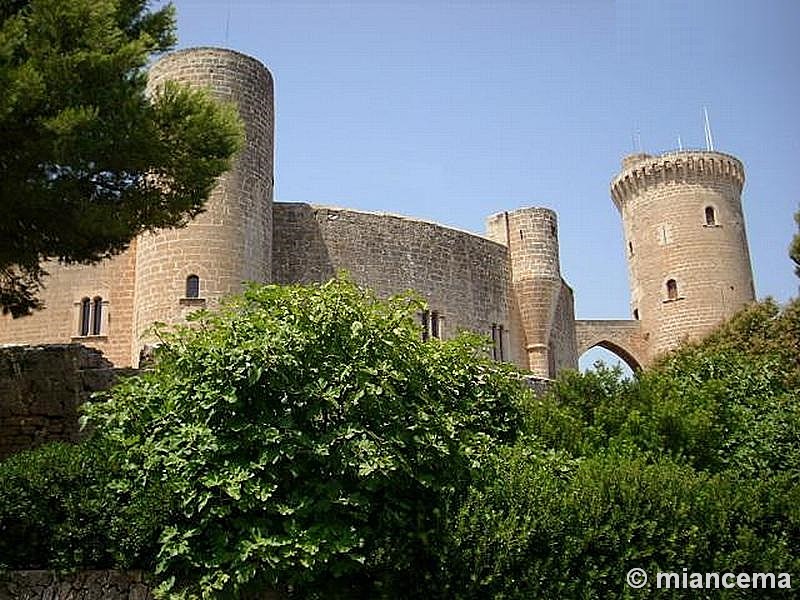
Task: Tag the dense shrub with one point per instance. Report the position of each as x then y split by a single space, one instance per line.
546 525
692 464
312 439
305 439
60 509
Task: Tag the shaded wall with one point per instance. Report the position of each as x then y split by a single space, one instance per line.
464 277
41 388
84 585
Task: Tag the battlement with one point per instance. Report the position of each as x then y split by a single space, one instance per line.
641 171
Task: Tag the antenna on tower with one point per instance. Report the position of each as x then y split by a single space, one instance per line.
709 138
227 22
636 140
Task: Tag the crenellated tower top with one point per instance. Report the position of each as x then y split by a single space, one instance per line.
642 171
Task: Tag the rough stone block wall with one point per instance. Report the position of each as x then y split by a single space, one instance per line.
84 585
463 276
87 585
531 236
563 350
622 336
41 388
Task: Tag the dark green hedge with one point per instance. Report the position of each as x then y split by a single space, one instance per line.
59 510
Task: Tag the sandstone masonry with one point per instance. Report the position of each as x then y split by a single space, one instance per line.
684 234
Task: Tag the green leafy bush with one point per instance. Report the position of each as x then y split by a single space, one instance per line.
546 525
312 439
59 509
694 463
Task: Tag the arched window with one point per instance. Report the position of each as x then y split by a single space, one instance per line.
86 313
636 313
97 315
711 217
672 289
192 286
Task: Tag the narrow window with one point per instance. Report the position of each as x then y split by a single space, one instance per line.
711 218
672 290
426 319
630 248
521 235
192 286
435 332
636 313
97 315
497 342
500 338
86 311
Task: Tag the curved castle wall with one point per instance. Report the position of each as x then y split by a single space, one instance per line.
232 240
464 277
683 223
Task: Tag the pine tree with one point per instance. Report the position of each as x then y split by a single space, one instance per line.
87 160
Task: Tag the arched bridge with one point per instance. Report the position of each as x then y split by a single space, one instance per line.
622 337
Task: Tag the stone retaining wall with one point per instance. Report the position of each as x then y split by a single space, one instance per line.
84 585
41 388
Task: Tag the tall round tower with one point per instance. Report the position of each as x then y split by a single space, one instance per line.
688 261
231 241
531 235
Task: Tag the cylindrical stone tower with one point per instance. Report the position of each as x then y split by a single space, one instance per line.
531 235
231 242
688 261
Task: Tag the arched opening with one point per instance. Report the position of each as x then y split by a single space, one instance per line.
97 315
611 355
86 312
711 217
672 289
192 286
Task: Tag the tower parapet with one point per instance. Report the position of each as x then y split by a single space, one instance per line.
685 241
642 171
231 241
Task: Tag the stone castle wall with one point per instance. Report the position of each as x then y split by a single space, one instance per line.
65 287
87 585
663 202
510 280
41 388
464 277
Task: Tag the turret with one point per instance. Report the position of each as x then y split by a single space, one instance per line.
178 270
531 235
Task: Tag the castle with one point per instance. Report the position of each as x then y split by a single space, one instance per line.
684 236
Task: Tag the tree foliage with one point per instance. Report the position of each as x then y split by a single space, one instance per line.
313 441
87 161
695 463
307 440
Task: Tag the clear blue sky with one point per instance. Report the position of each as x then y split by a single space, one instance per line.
451 111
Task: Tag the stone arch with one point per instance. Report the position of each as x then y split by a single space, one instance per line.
627 357
622 337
